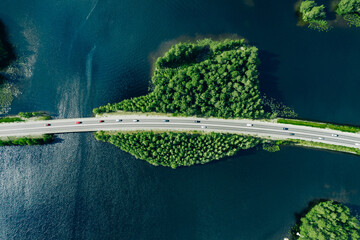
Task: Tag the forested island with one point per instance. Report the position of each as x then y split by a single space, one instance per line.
208 79
324 220
316 16
204 79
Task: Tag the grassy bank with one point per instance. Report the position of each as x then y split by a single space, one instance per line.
343 128
11 119
25 116
21 141
337 148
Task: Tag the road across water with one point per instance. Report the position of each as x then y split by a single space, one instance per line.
143 122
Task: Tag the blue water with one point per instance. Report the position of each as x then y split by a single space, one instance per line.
77 55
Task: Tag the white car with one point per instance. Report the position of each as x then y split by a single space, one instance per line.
119 120
135 120
334 135
249 124
321 138
203 126
357 144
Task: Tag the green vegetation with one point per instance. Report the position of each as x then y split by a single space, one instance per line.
39 115
314 15
327 220
175 149
10 119
46 138
311 12
350 10
271 146
23 116
206 78
346 7
7 91
353 19
343 128
326 146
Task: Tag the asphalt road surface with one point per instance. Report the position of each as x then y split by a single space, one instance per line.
139 122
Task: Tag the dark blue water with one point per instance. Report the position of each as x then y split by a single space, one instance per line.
76 55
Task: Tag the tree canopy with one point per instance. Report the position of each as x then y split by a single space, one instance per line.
311 12
329 220
348 7
206 78
175 149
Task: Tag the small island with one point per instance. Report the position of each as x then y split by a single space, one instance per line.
324 220
314 15
207 79
204 79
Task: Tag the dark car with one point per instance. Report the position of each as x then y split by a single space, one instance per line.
47 124
292 134
166 120
100 121
285 129
196 121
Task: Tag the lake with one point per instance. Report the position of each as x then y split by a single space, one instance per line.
76 55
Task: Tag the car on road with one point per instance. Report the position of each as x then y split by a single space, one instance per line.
119 120
334 135
357 144
203 126
100 121
196 121
135 120
47 124
292 134
321 138
285 129
78 122
249 124
166 120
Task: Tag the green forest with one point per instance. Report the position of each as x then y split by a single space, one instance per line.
176 149
328 220
206 78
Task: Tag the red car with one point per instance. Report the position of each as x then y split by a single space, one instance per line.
78 122
100 121
47 124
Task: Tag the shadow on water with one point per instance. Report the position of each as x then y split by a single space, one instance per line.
9 55
268 67
354 210
239 154
56 140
